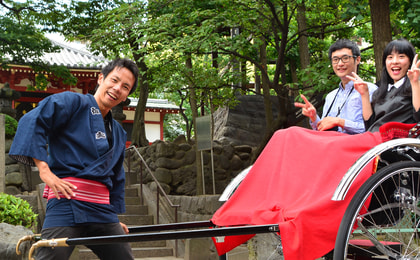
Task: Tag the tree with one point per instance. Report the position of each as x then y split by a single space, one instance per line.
22 42
381 30
114 29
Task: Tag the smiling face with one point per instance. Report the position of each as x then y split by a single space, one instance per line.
397 65
113 89
342 69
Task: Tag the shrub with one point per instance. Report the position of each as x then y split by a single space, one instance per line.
11 126
16 211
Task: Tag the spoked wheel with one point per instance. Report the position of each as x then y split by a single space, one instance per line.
382 220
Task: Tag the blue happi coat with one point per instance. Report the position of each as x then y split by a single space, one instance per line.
72 126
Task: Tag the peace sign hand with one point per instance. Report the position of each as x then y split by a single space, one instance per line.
414 73
307 108
359 85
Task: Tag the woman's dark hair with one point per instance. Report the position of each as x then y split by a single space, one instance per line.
123 63
401 46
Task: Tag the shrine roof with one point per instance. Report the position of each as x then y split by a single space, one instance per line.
73 55
154 103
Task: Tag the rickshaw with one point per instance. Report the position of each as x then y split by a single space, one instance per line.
382 220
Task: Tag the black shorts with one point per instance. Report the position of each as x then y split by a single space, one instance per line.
107 251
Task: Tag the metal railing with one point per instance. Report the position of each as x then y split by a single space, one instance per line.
159 190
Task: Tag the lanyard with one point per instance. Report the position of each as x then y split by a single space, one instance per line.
339 108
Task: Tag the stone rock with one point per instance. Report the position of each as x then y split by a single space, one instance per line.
236 163
189 157
187 188
14 178
8 144
224 162
228 151
217 149
163 175
181 139
179 154
164 149
9 237
243 149
244 123
12 168
165 187
9 160
244 156
185 147
163 162
12 190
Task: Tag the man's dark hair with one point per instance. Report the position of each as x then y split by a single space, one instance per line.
123 63
344 43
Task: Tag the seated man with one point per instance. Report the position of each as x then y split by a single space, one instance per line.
343 106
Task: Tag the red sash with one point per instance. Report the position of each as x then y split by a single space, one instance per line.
87 190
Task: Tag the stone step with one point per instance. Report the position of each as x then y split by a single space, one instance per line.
158 243
131 192
87 254
136 209
137 220
132 201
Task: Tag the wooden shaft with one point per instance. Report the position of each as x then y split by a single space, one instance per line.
55 242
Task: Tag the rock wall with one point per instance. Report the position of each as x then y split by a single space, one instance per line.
174 165
243 124
19 177
14 177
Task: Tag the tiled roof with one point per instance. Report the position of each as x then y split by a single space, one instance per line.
154 103
73 55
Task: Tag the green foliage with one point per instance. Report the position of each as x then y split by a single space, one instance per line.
11 126
16 211
173 127
405 20
163 34
22 42
319 78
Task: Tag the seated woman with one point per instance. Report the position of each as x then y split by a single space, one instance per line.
294 178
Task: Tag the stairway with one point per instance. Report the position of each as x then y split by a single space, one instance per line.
135 215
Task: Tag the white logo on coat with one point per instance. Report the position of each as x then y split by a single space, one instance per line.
95 111
100 135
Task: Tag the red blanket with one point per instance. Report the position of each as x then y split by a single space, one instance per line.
291 184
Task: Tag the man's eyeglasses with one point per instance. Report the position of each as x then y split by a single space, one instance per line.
344 59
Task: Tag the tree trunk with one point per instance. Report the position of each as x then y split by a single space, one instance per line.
138 135
266 87
194 112
269 117
381 30
303 39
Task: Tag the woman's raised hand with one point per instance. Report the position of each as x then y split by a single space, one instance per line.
359 84
414 73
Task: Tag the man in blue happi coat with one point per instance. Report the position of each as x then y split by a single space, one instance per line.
79 150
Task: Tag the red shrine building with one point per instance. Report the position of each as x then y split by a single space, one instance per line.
86 68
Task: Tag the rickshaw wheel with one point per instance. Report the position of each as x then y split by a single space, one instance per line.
382 220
